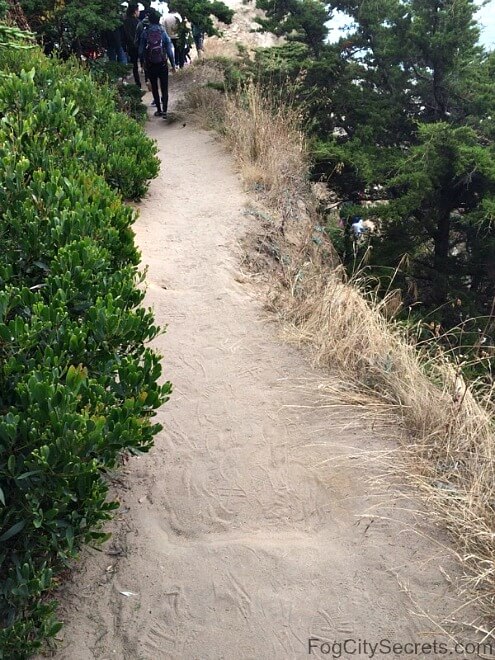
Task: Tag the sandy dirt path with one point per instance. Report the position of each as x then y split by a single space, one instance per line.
240 535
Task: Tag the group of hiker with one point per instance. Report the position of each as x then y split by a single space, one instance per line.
146 38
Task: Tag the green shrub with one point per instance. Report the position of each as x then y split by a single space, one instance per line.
129 97
78 385
114 144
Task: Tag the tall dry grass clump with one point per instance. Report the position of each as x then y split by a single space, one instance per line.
447 446
197 93
208 104
268 142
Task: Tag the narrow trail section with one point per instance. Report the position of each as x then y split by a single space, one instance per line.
249 528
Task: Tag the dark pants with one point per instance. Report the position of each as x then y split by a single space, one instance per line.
159 73
199 41
134 59
144 67
179 53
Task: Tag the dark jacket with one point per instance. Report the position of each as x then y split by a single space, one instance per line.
129 29
112 38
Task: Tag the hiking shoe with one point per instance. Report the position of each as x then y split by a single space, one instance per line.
158 114
164 115
153 103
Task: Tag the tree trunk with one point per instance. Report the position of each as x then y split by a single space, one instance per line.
441 257
16 15
439 94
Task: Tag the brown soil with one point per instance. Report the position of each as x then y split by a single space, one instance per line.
250 527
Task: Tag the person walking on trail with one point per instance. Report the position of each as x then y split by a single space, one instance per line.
154 43
131 23
143 23
142 26
185 42
198 34
171 23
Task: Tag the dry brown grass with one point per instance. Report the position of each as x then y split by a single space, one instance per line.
449 440
448 450
264 134
197 93
269 144
208 104
218 47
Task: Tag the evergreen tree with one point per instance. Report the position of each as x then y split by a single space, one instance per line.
202 12
403 108
300 20
69 22
440 215
440 176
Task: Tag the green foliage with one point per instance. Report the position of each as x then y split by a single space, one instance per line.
236 72
131 161
442 208
299 20
13 38
130 101
410 119
286 59
200 13
78 386
129 97
66 21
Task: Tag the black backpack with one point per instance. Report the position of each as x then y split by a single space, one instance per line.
154 47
